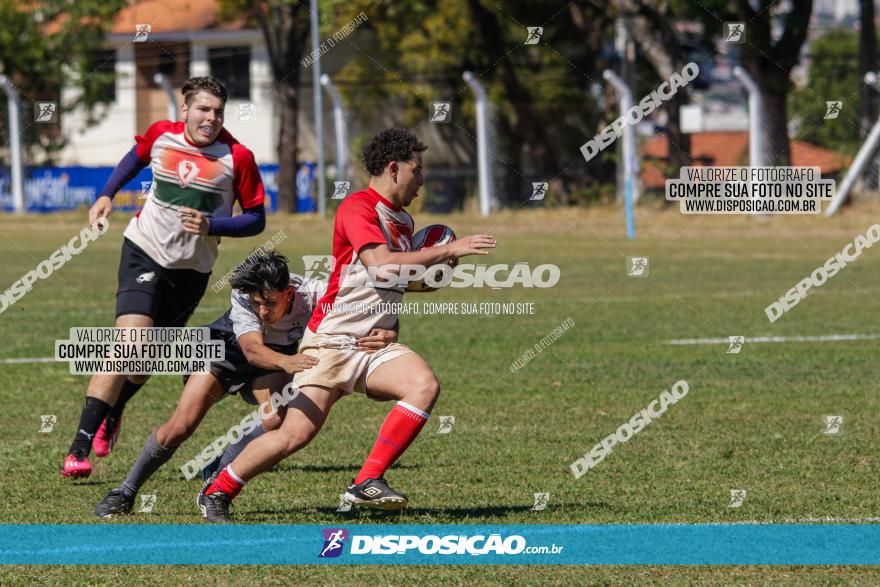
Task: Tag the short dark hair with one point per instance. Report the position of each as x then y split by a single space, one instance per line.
261 272
209 84
391 144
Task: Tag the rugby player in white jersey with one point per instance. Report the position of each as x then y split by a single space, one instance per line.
270 308
170 246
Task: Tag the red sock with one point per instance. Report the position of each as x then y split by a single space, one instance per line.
227 483
400 428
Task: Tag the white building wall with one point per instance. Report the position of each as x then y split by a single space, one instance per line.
107 141
254 128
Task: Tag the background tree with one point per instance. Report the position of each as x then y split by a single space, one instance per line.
770 63
834 60
285 26
775 33
544 109
49 44
651 24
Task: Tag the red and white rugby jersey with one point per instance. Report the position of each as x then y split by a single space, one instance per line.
208 178
363 218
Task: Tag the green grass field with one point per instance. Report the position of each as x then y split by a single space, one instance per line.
752 420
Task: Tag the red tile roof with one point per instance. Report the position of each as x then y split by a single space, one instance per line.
165 16
730 148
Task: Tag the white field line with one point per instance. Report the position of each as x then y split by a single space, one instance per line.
810 520
678 342
749 339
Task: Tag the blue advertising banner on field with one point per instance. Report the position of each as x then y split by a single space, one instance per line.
55 189
635 544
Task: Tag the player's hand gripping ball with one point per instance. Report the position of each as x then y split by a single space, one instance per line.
431 236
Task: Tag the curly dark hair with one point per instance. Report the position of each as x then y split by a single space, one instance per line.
391 144
194 85
261 272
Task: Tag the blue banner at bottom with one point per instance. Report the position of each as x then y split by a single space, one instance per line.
638 544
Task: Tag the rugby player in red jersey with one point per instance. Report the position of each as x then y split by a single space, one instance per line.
371 230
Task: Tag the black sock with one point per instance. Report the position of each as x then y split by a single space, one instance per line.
126 393
93 413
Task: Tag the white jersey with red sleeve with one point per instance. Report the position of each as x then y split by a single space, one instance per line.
208 179
364 218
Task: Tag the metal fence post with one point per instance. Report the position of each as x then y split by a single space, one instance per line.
483 147
756 120
14 103
339 124
630 190
858 164
163 82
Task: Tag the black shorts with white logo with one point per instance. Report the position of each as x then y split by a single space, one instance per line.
168 296
235 374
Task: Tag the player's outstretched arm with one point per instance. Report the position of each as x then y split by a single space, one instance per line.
259 355
376 255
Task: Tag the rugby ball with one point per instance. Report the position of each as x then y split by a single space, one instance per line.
431 236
